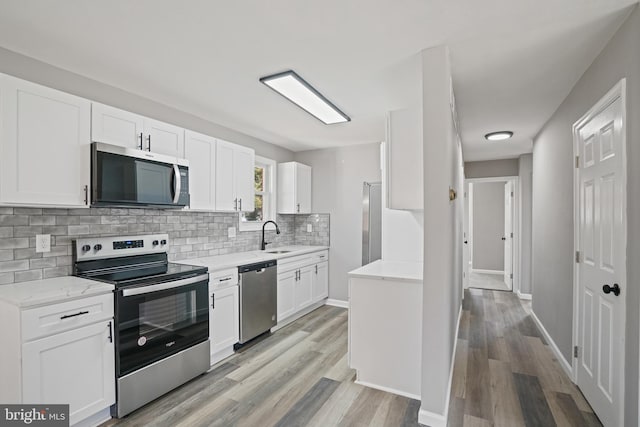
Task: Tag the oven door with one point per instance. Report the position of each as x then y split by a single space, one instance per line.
157 320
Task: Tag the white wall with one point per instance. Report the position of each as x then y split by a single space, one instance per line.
491 168
442 292
39 72
525 172
337 178
488 225
553 257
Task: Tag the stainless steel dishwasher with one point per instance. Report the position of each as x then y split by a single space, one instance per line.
258 299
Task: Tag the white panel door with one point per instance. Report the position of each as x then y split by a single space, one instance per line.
244 165
224 182
224 319
286 302
75 367
200 150
118 127
321 281
602 264
163 138
508 235
303 289
303 188
44 145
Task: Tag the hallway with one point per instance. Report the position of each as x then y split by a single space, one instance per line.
505 374
487 281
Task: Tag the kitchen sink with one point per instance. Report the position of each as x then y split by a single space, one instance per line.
278 252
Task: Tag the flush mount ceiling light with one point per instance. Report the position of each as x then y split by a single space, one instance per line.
297 90
499 136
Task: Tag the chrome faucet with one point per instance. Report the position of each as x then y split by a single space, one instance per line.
264 244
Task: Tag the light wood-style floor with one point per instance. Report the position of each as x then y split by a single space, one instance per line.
505 374
298 376
487 281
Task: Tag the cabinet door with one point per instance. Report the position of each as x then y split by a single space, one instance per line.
44 145
303 188
163 138
286 300
224 182
224 321
286 188
303 292
244 166
75 367
321 281
200 150
114 126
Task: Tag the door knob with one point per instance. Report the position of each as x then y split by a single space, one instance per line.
466 241
504 238
608 289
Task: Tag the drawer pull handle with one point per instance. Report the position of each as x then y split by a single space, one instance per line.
80 313
110 333
225 279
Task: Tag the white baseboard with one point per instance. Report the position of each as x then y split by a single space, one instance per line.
337 303
95 419
284 322
496 272
388 389
524 296
566 366
433 419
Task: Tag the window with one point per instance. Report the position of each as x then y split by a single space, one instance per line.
265 203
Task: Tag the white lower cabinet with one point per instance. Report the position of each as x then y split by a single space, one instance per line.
74 367
61 353
224 313
303 280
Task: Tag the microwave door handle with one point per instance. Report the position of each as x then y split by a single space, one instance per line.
176 183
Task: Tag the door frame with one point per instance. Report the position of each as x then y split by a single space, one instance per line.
618 91
516 224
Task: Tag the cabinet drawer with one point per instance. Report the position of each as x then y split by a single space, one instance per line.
51 319
223 278
300 261
321 256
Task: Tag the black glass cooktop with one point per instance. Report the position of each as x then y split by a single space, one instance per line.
147 274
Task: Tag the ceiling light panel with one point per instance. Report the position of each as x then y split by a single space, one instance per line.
297 90
499 136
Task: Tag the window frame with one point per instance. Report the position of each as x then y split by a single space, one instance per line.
269 200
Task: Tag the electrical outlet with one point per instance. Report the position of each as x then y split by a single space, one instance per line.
231 232
309 228
43 243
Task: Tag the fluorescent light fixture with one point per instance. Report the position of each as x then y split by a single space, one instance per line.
295 89
499 136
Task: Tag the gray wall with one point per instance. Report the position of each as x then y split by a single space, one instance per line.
491 168
553 201
191 235
526 187
443 224
39 72
488 226
337 178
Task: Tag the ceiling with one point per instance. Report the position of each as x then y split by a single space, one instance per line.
513 61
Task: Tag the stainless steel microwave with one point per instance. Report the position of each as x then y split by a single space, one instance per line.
123 176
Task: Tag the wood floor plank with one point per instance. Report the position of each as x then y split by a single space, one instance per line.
336 407
363 408
459 380
397 411
504 397
471 421
456 412
463 329
309 404
478 392
411 414
533 402
564 409
341 371
477 332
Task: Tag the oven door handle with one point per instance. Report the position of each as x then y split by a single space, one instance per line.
164 286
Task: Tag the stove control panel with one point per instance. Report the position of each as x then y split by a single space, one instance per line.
112 247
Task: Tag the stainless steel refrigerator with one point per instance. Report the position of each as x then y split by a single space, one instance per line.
371 222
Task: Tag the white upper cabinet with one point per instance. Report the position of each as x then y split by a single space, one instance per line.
200 150
44 145
294 188
234 177
119 127
403 162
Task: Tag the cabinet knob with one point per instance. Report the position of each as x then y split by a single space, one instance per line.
155 243
86 248
97 247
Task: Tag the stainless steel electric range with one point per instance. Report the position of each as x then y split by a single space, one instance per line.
161 314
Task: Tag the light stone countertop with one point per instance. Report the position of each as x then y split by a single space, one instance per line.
391 270
221 262
51 291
